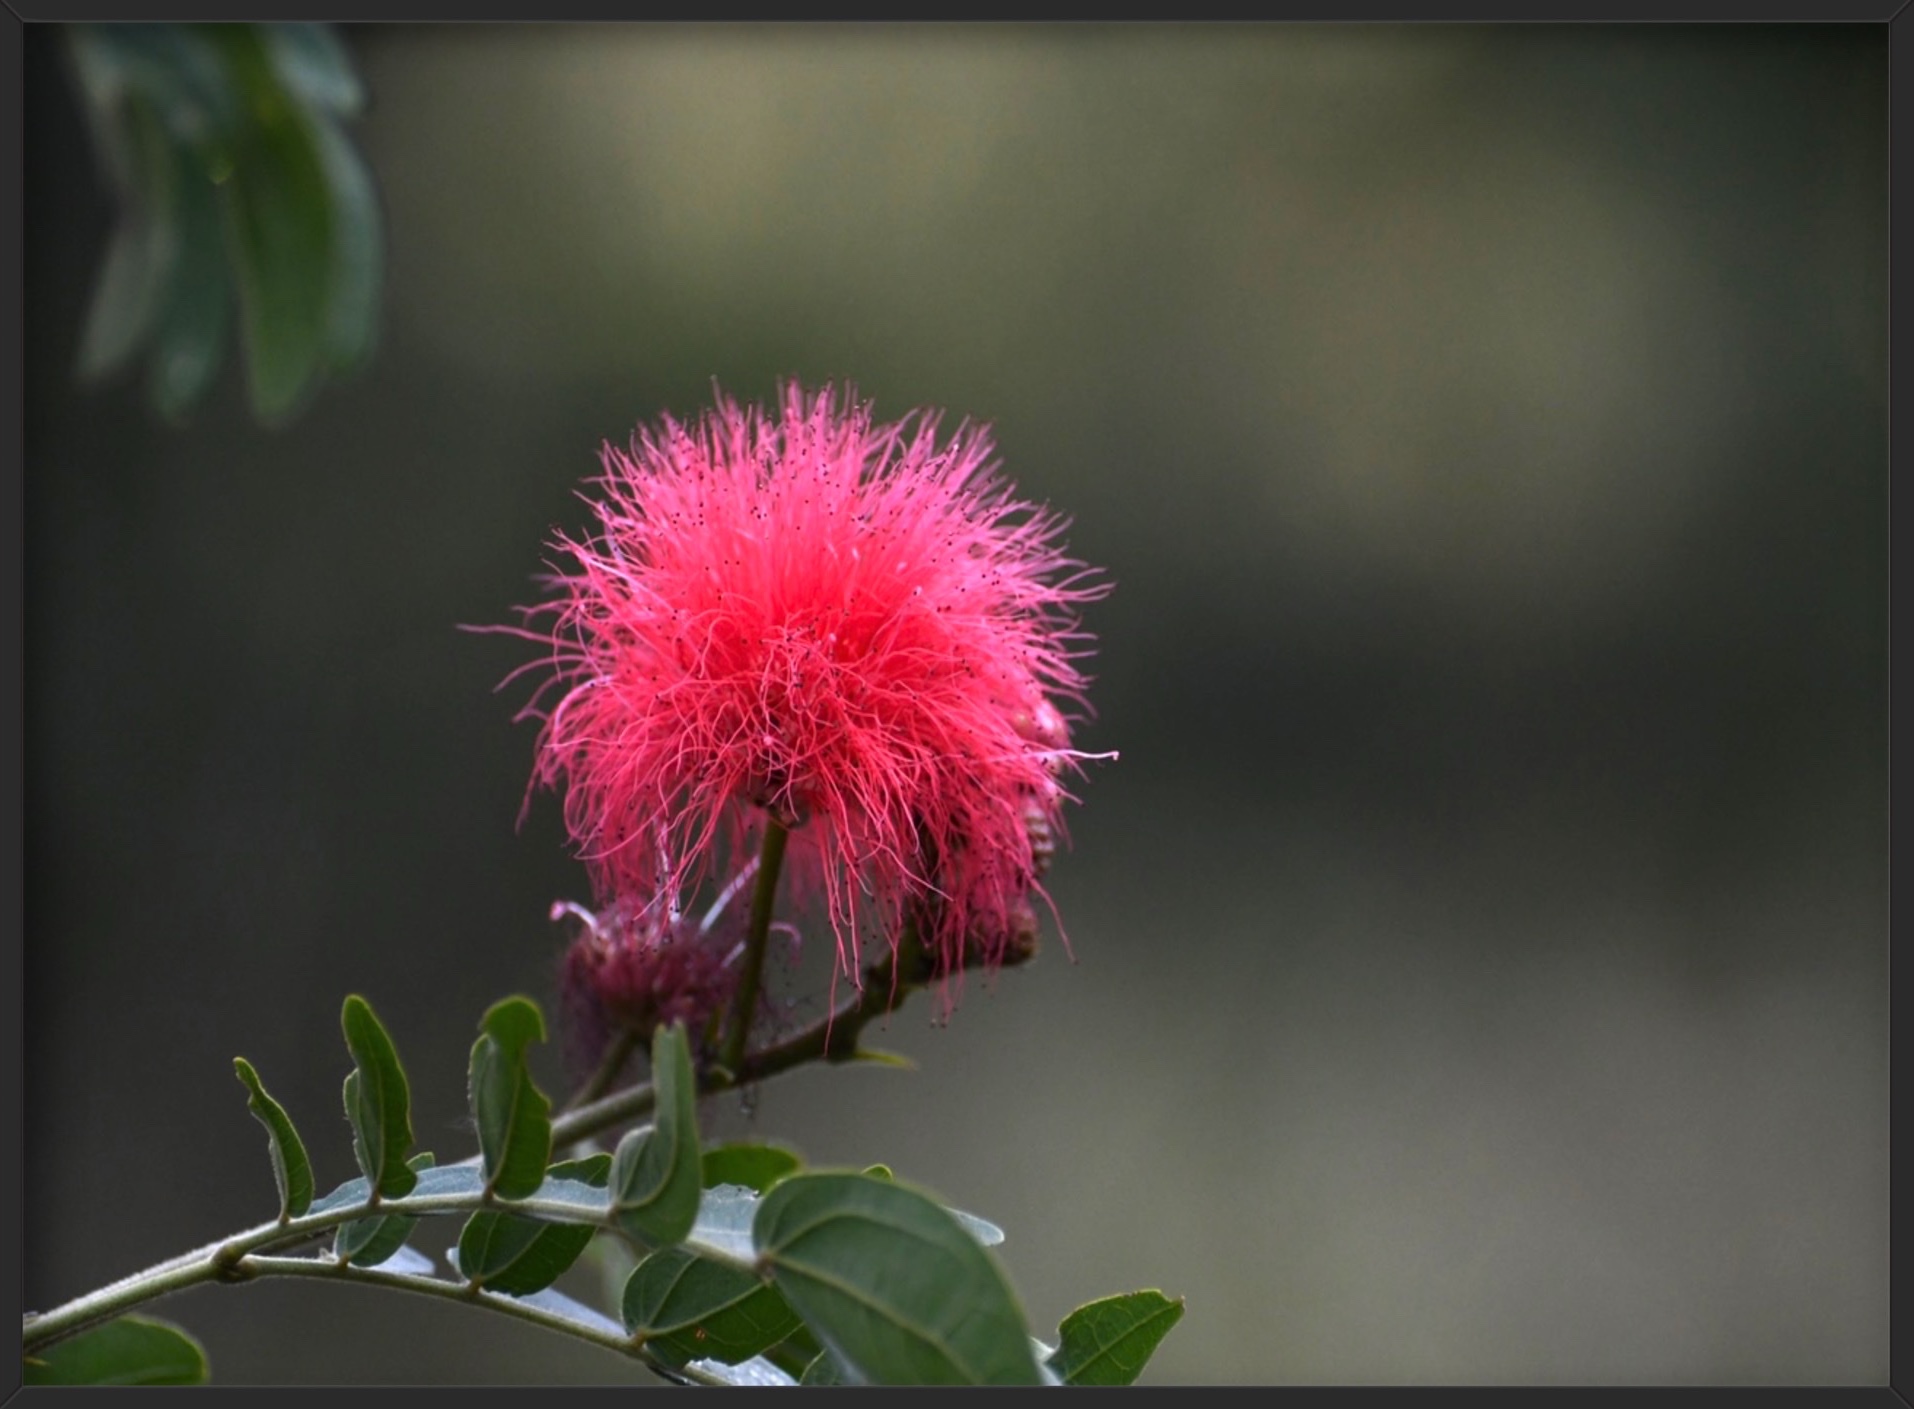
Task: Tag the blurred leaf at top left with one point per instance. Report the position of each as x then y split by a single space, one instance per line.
239 194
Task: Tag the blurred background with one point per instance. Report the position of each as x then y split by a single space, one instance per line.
1480 947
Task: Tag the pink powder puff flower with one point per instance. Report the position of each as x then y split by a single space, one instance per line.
836 623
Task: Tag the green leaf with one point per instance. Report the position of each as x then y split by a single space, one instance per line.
377 1102
311 61
753 1166
755 1373
723 1226
133 282
564 1200
513 1117
291 1170
178 68
366 1242
454 1179
594 1170
689 1307
893 1286
560 1305
823 1370
795 1352
1108 1342
656 1172
224 145
358 251
982 1229
518 1256
279 232
509 1253
191 342
129 1350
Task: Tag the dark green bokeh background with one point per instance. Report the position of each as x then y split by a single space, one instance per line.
1482 940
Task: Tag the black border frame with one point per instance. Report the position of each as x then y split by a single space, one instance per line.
1900 1386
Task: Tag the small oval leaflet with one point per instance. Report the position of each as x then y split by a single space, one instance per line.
896 1288
656 1173
513 1117
689 1307
367 1242
128 1350
754 1166
377 1102
1108 1342
516 1255
291 1170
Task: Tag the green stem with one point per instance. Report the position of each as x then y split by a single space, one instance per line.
887 984
228 1259
770 862
622 1046
323 1270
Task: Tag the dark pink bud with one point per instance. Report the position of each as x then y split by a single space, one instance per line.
617 977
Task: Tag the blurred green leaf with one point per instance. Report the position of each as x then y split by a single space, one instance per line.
130 1350
190 343
509 1253
279 233
1108 1342
377 1101
312 63
358 252
513 1117
366 1242
689 1307
291 1170
134 279
175 68
226 155
897 1289
751 1165
656 1172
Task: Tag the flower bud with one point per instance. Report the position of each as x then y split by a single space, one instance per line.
1043 839
619 977
1005 943
1040 724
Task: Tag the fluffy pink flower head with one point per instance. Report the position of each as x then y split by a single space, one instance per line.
843 625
